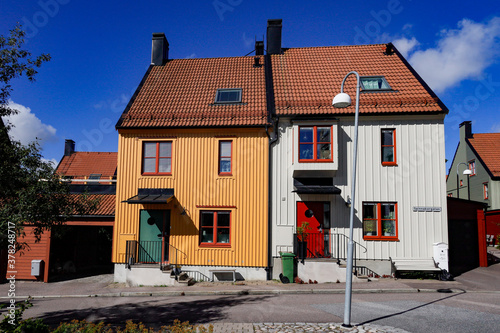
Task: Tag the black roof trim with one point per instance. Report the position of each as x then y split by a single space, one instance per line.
127 108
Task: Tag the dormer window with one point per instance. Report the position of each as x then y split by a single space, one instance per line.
374 83
225 96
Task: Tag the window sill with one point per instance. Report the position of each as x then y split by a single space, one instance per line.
216 245
156 174
381 238
316 161
389 164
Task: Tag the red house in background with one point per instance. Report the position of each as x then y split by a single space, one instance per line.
83 244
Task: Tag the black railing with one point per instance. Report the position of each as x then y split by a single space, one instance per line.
312 246
197 276
318 245
365 271
152 252
339 248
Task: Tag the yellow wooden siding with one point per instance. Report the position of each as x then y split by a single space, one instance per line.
196 183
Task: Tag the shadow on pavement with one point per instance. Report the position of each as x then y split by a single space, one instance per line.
416 307
154 313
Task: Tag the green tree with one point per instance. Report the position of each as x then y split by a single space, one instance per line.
15 62
30 190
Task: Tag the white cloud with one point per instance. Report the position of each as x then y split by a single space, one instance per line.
52 162
495 128
191 56
27 127
460 54
405 45
248 42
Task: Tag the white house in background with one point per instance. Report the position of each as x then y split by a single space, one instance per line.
400 203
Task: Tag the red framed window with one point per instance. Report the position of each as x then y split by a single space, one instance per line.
315 144
388 146
380 221
485 191
461 183
225 158
157 158
472 167
215 228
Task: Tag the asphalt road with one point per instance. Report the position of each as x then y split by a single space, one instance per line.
415 312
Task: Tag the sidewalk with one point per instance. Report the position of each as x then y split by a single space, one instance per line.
482 279
479 280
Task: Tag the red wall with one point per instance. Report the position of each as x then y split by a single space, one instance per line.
493 222
33 251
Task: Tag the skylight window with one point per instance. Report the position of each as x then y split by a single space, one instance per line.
374 83
228 96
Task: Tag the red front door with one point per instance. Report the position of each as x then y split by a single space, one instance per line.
313 213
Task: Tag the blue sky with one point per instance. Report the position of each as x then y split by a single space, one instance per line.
101 49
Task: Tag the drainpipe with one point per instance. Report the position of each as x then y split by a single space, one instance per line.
272 140
272 119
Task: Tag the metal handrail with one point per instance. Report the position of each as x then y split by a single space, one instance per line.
343 239
149 252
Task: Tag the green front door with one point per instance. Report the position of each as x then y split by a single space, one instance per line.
154 234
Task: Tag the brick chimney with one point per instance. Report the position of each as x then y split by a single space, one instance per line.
259 47
274 36
465 130
159 50
69 147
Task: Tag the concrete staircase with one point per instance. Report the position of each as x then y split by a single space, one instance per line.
182 278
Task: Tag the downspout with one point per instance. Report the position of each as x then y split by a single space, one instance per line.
272 119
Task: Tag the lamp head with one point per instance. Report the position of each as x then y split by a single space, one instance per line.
467 172
342 100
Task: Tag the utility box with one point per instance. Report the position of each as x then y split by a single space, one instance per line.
36 267
441 255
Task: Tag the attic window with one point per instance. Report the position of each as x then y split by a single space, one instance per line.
374 83
228 96
95 176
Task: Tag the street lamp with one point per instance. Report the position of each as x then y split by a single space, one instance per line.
467 172
343 100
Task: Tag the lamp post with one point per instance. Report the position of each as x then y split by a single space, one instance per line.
467 172
343 100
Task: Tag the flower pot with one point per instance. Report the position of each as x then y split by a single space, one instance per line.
302 249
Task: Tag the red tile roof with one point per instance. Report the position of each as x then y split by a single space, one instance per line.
306 80
182 93
487 147
105 206
82 164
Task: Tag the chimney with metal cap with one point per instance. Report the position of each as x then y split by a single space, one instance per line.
159 51
69 147
259 47
465 130
274 36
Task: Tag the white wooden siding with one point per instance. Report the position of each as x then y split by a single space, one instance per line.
418 180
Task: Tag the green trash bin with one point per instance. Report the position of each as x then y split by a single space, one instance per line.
287 263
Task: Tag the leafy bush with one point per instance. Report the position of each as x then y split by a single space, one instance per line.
13 319
130 327
32 326
83 326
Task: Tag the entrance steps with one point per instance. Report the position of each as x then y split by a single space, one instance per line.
182 278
